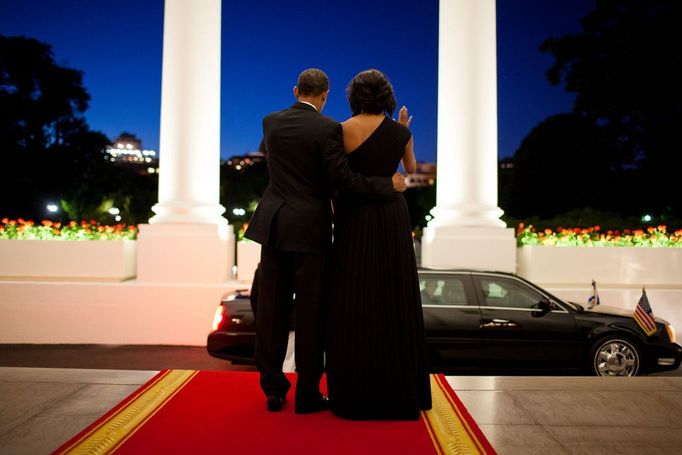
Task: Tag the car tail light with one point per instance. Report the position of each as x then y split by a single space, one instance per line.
671 333
219 317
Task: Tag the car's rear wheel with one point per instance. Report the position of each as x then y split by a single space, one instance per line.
615 356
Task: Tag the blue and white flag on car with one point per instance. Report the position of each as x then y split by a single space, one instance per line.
594 298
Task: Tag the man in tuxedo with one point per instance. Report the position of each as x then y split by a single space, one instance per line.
293 224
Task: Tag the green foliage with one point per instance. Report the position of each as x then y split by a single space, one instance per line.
420 201
85 230
591 217
242 188
595 236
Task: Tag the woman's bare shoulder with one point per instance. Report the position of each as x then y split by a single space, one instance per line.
350 122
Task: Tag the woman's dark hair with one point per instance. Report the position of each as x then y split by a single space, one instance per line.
371 92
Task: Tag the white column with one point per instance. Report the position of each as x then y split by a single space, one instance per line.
189 179
466 230
187 239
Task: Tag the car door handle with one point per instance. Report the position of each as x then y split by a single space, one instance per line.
490 323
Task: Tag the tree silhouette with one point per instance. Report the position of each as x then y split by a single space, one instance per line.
49 154
625 68
560 165
41 115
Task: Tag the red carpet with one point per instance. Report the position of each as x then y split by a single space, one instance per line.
181 411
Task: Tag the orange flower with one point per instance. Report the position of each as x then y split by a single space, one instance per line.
662 227
100 228
88 231
57 225
84 223
651 229
597 228
548 231
2 228
5 220
541 235
521 225
20 220
47 223
131 228
639 233
678 232
29 223
578 231
12 222
73 224
93 222
627 231
55 231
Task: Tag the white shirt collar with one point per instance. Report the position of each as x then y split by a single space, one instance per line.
309 104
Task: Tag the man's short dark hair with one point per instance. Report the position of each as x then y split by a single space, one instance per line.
371 92
312 82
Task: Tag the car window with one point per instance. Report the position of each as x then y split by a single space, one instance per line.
439 290
505 292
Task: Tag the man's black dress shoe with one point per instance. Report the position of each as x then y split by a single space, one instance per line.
308 407
275 403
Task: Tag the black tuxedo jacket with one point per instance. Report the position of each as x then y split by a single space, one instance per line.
305 157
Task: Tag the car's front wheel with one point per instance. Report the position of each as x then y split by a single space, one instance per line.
615 356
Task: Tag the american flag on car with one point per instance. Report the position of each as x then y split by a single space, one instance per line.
644 316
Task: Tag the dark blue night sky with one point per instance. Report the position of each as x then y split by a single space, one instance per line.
267 43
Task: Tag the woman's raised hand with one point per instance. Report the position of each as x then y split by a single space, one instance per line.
403 119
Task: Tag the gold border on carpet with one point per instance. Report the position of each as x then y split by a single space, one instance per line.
447 427
116 429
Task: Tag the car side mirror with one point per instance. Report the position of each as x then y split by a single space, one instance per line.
544 307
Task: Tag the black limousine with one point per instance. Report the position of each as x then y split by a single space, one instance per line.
497 322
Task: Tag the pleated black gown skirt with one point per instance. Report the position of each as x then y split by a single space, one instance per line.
376 352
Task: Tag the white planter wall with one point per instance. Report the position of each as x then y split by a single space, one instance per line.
606 265
79 260
248 257
620 273
57 292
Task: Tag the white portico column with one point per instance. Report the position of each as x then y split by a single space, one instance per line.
466 231
187 240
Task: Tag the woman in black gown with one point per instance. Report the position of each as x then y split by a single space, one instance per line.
376 352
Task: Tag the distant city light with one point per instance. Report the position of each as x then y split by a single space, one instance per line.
428 217
52 208
238 167
647 218
114 211
151 170
118 218
119 145
239 212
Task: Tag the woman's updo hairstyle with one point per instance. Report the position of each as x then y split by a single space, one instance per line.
371 92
